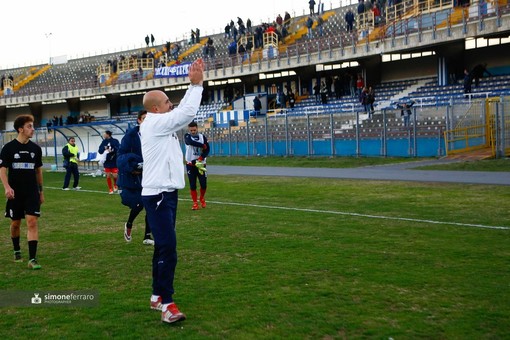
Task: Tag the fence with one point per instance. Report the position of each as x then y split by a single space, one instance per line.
485 124
332 134
431 132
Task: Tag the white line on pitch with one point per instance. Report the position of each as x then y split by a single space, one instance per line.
337 213
366 215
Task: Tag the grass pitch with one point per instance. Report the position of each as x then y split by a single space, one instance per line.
276 258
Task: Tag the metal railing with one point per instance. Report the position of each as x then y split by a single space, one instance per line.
484 125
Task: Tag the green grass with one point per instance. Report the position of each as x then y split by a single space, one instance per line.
277 258
349 162
502 164
307 162
354 162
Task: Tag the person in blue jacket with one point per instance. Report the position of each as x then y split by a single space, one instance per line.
130 165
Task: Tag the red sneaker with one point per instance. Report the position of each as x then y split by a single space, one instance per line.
157 305
195 206
202 203
172 314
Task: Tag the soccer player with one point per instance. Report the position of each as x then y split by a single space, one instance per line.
110 145
197 149
130 165
22 177
163 176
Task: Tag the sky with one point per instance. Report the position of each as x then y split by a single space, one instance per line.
35 30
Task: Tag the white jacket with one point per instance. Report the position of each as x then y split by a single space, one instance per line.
163 166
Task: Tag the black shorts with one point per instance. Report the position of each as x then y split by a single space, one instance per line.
23 204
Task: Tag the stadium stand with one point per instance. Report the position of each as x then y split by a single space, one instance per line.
111 89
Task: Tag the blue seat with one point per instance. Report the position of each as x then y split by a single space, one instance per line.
91 158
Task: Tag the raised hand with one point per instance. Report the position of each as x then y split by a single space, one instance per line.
196 72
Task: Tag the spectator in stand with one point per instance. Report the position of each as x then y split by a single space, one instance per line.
192 41
405 111
234 32
248 26
361 7
152 39
324 93
349 20
478 72
280 99
210 47
371 100
292 98
242 30
311 4
167 48
309 25
338 87
368 5
175 51
205 51
360 84
258 37
249 46
286 20
317 92
320 25
352 85
257 106
377 15
232 48
279 20
365 101
147 40
242 52
227 32
329 85
467 81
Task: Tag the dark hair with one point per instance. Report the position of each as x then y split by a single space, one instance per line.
193 124
21 120
141 113
108 132
71 138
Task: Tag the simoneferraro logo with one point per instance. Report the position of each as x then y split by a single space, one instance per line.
36 300
41 299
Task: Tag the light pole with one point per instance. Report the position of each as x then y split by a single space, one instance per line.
48 36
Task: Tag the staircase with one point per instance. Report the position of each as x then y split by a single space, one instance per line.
402 94
300 29
476 155
189 51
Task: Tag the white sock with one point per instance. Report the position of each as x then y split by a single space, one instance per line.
154 298
165 307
